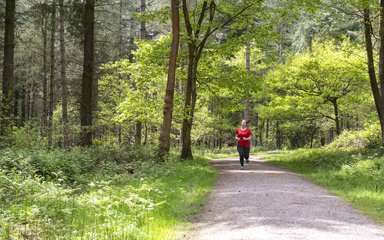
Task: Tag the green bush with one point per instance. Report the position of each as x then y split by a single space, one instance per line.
369 138
349 139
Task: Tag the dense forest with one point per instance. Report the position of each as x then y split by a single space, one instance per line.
82 73
87 84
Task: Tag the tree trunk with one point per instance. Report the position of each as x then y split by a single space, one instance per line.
44 31
194 54
186 152
143 36
52 77
119 133
64 86
8 68
336 112
86 103
247 105
165 139
278 136
371 69
381 53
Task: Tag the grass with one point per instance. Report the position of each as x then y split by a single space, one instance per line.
355 175
102 202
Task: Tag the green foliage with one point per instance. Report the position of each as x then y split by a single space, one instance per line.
352 139
306 92
369 138
27 136
118 194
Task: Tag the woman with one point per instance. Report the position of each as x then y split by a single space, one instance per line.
243 137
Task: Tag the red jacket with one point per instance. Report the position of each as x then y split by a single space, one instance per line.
243 134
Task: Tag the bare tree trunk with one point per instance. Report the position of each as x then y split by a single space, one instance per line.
86 103
165 139
64 86
143 36
52 77
120 56
336 112
247 107
371 69
44 31
278 136
8 67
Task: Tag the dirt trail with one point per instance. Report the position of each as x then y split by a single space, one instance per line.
266 202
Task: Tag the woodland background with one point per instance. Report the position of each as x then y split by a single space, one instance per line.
297 70
99 94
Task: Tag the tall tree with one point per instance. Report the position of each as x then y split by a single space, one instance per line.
143 36
52 74
63 82
44 9
197 40
86 103
165 139
8 67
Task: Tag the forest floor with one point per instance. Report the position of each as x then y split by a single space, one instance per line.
267 202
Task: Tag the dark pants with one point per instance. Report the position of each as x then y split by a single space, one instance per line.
244 153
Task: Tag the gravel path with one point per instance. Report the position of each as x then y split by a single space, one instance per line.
266 202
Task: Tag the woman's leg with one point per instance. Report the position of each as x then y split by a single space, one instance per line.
240 149
246 153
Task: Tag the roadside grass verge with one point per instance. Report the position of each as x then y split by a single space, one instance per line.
356 175
98 194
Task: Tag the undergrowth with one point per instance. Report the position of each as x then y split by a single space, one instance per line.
98 193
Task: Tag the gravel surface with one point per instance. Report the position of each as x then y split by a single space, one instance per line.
267 202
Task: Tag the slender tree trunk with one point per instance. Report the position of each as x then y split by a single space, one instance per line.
165 139
336 112
194 54
143 36
86 103
278 136
8 68
143 28
52 77
44 30
247 105
371 69
381 53
31 113
64 86
120 56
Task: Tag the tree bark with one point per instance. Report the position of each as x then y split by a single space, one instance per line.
64 86
52 76
381 53
336 112
8 67
371 69
247 105
44 31
165 139
86 103
143 36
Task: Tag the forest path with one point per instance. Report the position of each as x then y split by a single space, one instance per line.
267 202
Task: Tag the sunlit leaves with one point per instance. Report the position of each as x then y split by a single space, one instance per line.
308 83
133 91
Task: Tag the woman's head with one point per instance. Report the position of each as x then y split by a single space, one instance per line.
244 122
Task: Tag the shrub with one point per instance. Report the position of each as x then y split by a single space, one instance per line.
349 139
